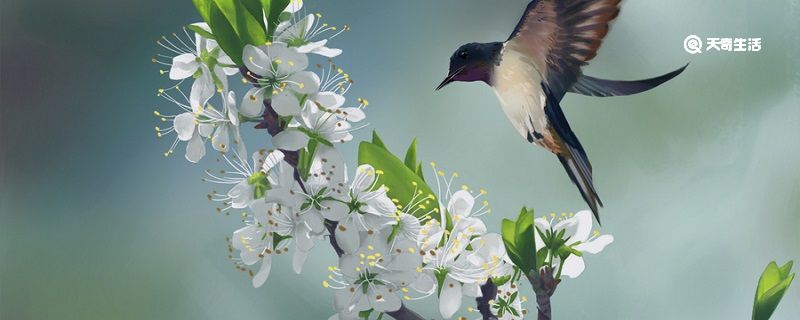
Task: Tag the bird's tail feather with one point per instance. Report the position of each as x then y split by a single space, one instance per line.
590 86
580 171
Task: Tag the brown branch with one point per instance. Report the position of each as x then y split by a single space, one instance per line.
544 285
488 293
404 313
273 123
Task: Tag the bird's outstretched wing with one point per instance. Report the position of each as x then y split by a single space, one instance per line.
591 86
563 35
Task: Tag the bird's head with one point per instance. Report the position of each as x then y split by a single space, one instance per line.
473 62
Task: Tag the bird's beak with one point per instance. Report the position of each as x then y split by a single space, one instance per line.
450 78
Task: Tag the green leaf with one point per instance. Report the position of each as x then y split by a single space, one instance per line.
411 155
508 232
225 34
525 238
204 8
785 269
276 7
769 278
306 158
256 10
519 240
377 140
772 285
420 172
440 275
499 281
364 314
247 27
399 179
277 239
541 255
200 31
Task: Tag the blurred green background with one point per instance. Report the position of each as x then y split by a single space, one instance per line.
700 177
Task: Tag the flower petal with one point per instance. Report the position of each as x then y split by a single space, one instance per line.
257 61
578 227
487 249
253 103
329 100
461 203
294 6
347 235
596 245
365 177
346 298
288 60
205 129
241 195
290 140
202 90
305 82
220 74
472 290
302 240
221 139
353 114
349 266
314 222
334 210
328 52
383 300
185 126
298 260
183 66
450 298
573 267
312 46
242 240
195 149
424 284
286 103
230 106
263 272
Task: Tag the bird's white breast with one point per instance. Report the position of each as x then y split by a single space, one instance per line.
517 84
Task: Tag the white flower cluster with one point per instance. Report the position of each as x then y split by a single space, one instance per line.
314 102
433 245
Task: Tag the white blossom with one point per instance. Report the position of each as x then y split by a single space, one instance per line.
197 126
579 237
309 35
372 277
198 58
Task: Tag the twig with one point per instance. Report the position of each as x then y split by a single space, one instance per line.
488 293
544 285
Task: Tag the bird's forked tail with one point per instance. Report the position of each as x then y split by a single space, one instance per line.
580 171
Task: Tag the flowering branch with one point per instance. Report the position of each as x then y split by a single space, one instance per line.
398 236
271 123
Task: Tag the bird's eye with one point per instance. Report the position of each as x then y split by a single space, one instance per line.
463 54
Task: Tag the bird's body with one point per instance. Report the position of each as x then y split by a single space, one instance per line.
517 83
532 71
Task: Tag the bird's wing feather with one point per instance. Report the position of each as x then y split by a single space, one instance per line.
563 35
591 86
571 153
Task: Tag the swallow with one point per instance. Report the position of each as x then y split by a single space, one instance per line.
538 64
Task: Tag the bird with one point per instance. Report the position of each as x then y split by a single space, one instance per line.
538 64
